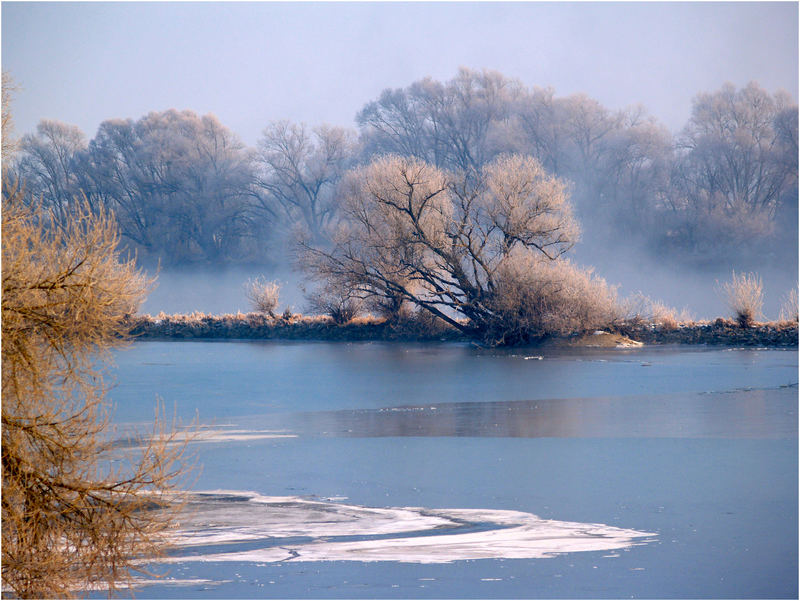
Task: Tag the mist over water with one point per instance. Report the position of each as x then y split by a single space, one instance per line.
680 282
682 286
217 290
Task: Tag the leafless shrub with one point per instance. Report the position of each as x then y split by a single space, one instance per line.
789 306
68 520
745 296
391 307
263 295
341 304
666 317
536 297
641 308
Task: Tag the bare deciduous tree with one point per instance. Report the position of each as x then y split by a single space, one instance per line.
180 184
446 242
454 125
729 180
9 88
536 297
733 163
70 520
340 302
50 165
299 171
541 124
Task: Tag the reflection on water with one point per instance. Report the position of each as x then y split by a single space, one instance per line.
766 413
218 380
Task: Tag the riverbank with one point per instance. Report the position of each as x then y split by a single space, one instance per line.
720 332
255 326
247 326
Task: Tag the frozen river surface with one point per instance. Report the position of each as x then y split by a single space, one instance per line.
447 471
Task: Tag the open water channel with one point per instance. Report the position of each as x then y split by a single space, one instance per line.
386 470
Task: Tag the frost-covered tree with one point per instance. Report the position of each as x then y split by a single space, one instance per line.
52 164
180 184
446 242
298 169
737 160
459 124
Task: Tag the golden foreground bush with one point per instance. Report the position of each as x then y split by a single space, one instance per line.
69 520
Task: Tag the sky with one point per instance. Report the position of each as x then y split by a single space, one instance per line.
250 63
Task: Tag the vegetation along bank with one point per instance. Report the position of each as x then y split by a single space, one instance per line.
256 326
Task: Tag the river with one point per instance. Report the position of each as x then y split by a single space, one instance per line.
386 470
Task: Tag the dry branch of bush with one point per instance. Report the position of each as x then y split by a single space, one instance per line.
789 306
336 301
537 297
70 521
639 307
263 295
745 296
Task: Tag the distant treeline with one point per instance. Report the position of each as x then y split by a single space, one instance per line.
185 189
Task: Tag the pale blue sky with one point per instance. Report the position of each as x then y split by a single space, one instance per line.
251 63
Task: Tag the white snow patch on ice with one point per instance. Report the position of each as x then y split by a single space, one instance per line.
418 535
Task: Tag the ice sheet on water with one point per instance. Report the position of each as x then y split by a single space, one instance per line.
204 435
280 529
